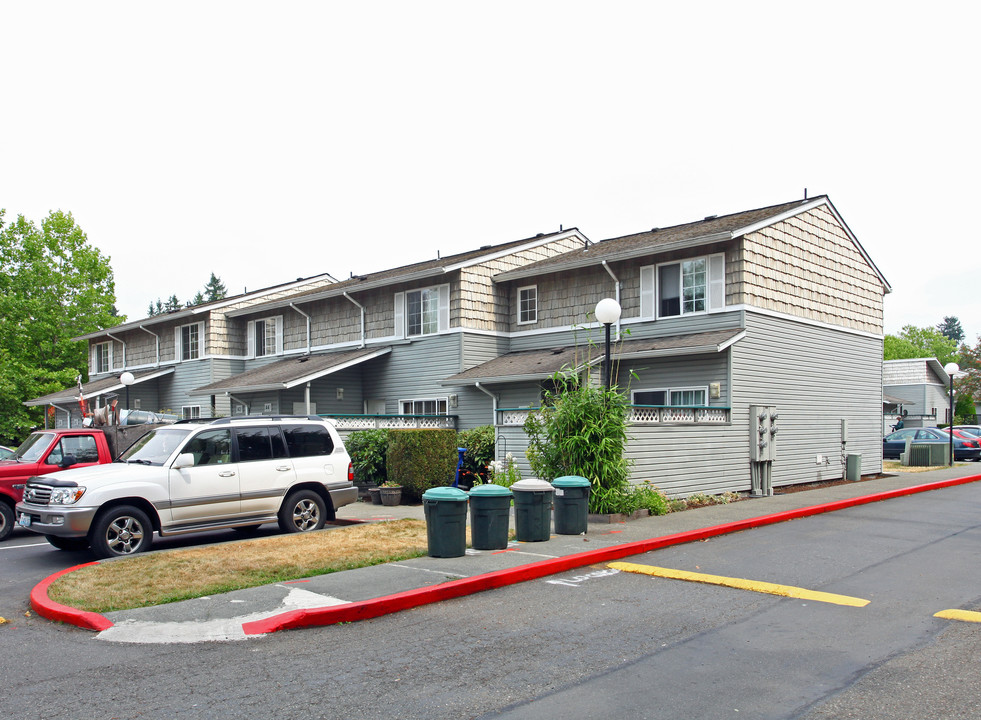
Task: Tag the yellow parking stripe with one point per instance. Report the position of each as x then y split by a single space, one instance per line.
963 615
740 584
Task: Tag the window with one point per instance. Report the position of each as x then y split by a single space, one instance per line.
83 447
259 443
670 397
682 288
435 406
103 357
188 341
265 336
308 440
422 312
211 447
527 304
190 412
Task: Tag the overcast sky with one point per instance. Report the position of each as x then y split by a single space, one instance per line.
269 141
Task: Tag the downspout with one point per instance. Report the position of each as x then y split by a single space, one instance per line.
308 334
121 342
306 397
67 412
616 283
235 399
360 307
492 397
157 337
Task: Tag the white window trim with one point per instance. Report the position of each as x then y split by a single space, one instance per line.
185 415
437 400
535 320
402 311
277 321
179 342
715 287
95 358
668 391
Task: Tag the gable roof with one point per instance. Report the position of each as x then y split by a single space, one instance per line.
289 373
914 371
710 230
98 387
426 269
536 365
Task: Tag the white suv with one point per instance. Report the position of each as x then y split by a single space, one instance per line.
236 472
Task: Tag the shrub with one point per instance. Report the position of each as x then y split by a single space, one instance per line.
421 459
582 430
479 443
368 449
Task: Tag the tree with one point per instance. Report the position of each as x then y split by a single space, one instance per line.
215 289
951 328
53 286
913 342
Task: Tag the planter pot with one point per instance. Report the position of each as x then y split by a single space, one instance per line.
375 493
390 495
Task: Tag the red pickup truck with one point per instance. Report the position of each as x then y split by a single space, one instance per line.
49 451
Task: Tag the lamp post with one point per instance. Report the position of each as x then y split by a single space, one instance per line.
127 379
951 369
607 312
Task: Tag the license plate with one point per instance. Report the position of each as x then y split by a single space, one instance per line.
24 521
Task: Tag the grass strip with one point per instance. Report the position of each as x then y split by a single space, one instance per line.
175 575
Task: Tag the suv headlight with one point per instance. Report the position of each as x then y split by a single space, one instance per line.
66 496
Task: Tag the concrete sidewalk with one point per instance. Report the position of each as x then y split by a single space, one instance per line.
370 592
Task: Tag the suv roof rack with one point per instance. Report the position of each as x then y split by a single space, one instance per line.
264 418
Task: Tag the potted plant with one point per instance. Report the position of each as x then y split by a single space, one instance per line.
391 493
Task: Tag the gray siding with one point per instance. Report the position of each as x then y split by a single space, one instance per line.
414 370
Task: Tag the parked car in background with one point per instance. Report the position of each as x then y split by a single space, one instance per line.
972 430
965 448
5 452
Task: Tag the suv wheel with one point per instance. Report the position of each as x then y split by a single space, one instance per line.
6 520
303 511
120 531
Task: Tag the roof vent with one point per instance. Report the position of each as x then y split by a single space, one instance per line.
654 229
486 247
711 217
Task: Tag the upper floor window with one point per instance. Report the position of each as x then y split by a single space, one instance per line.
188 341
265 336
682 288
103 357
528 304
422 312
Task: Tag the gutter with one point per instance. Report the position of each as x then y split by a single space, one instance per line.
493 397
157 337
121 342
616 285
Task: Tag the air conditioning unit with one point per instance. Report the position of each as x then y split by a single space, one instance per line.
927 454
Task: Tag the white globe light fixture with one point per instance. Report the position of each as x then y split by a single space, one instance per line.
607 312
951 369
127 379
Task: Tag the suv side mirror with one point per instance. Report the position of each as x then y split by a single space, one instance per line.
67 461
183 460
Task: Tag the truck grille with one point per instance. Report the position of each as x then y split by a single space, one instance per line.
37 494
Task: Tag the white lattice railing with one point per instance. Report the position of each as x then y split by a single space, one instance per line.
640 414
389 422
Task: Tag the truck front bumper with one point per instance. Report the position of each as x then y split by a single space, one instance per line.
60 521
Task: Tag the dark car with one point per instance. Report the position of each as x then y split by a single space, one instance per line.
895 443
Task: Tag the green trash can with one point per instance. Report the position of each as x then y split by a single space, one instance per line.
446 521
571 504
532 510
490 517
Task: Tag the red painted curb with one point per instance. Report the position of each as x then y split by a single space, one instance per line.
376 607
48 608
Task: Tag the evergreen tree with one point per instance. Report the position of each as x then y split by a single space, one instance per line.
215 289
951 328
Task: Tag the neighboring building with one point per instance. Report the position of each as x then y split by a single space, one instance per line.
776 308
917 389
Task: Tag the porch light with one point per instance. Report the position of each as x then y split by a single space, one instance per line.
607 312
951 369
127 379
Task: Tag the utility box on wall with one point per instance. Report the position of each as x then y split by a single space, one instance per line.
762 433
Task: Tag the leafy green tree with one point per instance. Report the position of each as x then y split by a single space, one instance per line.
215 289
951 328
53 286
913 342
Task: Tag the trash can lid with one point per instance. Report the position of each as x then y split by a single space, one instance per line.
571 481
445 493
532 485
490 490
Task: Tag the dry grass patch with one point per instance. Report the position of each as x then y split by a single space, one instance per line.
175 575
894 466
